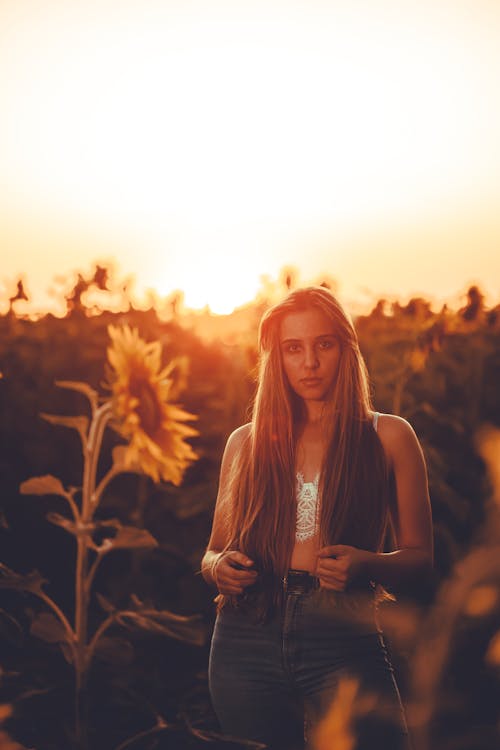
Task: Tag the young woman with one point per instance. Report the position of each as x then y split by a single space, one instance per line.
310 492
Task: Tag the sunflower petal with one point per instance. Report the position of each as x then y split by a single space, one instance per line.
154 428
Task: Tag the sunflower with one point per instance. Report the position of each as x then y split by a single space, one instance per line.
140 391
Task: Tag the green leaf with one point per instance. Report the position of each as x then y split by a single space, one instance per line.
84 388
46 485
80 424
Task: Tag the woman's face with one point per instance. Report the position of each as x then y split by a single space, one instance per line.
311 353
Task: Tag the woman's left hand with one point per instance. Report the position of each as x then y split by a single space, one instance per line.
338 565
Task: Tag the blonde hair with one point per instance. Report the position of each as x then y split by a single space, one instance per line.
353 479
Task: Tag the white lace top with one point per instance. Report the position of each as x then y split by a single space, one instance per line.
308 502
307 508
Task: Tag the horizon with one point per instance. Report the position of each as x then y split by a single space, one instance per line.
120 296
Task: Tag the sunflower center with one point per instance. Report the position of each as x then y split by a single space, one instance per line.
149 407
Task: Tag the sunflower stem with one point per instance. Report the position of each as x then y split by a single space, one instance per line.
73 506
82 581
111 474
91 574
99 422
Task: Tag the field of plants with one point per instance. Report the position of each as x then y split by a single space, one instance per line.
104 618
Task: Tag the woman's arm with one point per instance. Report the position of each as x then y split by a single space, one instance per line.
227 570
412 520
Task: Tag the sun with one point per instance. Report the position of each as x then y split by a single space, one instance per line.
220 274
220 294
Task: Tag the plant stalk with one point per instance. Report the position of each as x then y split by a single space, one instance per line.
82 591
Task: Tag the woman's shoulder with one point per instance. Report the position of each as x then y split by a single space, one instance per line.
237 439
240 433
232 451
396 434
391 424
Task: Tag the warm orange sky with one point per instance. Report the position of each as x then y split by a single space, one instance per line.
201 144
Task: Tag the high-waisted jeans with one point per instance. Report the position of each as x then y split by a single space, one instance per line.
322 655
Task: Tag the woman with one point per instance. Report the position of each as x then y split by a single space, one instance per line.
309 491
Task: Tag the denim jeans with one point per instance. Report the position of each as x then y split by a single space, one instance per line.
274 682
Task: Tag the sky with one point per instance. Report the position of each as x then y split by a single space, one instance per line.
202 144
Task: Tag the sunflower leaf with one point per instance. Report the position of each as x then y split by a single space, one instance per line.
105 604
9 579
130 537
66 651
58 520
80 424
84 388
162 622
45 485
48 628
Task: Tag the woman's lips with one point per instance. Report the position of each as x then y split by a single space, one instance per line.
311 381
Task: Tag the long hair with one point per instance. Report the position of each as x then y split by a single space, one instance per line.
353 479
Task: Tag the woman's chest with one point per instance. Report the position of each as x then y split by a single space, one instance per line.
309 455
307 524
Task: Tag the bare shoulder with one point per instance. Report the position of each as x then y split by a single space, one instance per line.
391 426
236 440
397 436
239 435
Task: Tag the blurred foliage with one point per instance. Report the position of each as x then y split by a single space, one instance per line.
439 369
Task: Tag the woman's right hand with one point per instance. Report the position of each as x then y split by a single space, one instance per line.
231 572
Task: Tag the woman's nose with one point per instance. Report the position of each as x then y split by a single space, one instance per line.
311 358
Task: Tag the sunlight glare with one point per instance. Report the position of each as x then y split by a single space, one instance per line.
169 120
224 277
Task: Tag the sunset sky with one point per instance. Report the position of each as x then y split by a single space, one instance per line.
202 144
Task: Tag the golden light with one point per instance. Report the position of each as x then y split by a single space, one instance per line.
205 138
223 277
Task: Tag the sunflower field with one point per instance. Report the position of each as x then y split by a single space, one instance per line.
112 431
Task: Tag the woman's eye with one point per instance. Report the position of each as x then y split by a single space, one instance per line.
325 344
293 348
